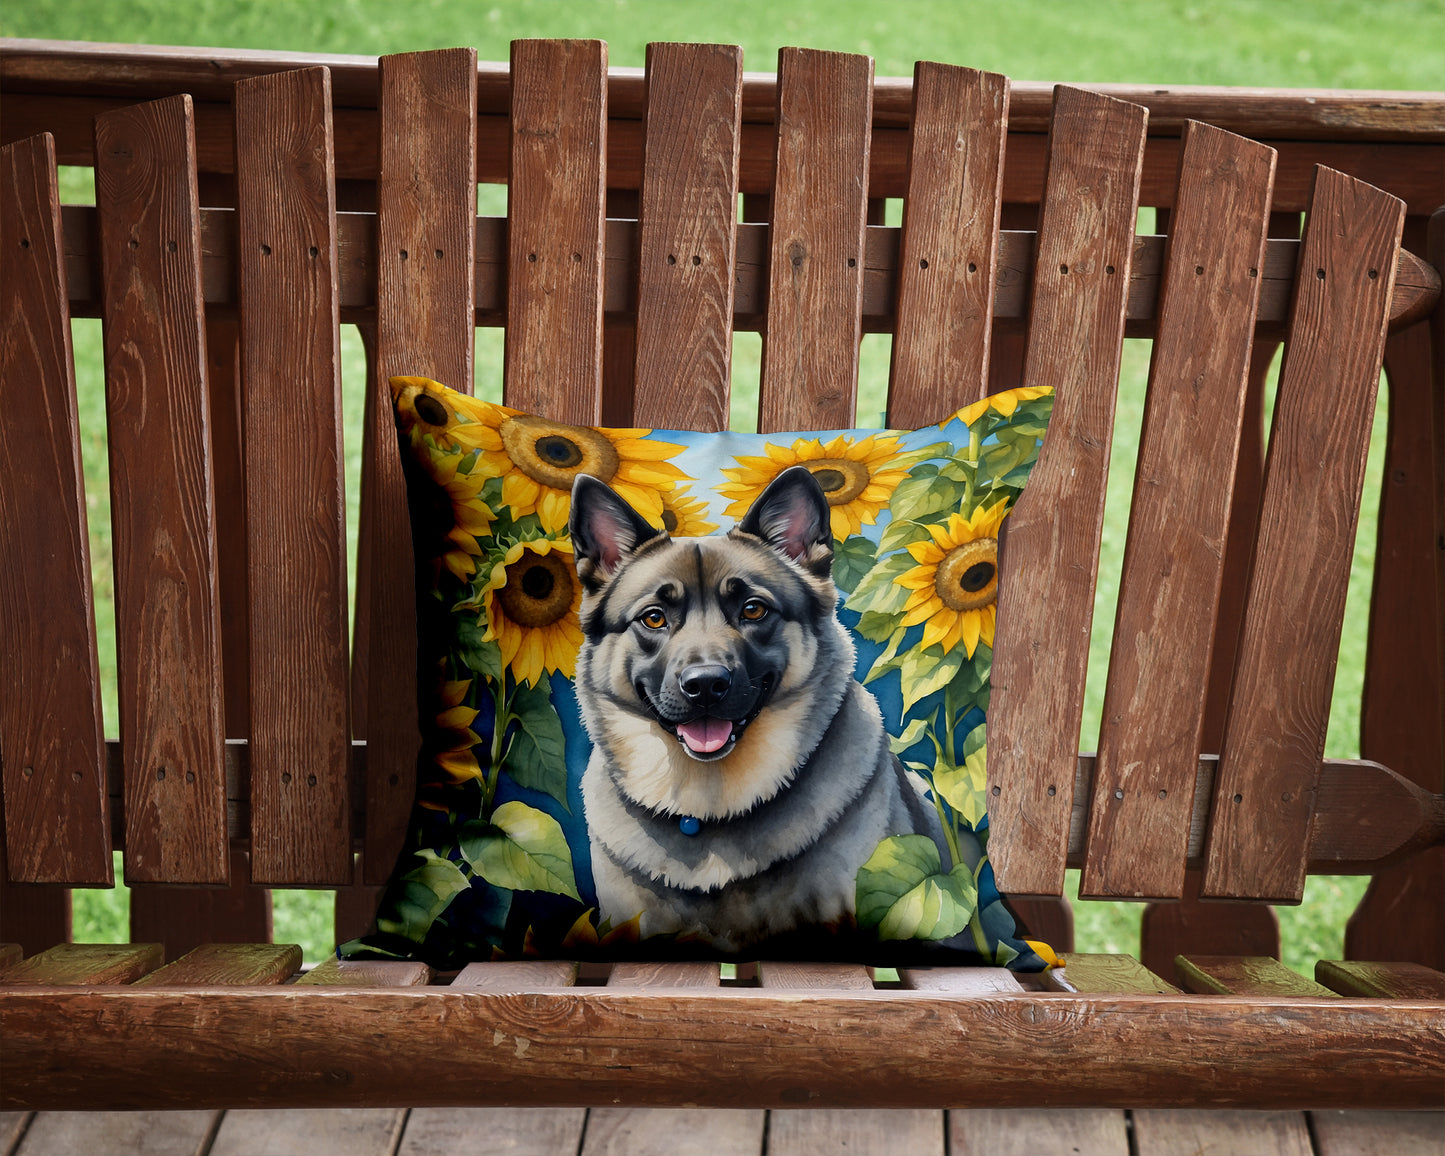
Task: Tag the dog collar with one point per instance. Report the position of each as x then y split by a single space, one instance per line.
689 824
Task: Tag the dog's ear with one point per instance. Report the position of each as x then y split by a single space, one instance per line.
604 529
792 516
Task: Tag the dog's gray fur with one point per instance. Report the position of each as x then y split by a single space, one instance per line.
789 808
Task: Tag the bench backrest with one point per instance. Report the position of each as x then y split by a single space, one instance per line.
242 697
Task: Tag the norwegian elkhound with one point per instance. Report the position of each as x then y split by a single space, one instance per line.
740 775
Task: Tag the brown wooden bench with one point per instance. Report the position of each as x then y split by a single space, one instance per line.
248 203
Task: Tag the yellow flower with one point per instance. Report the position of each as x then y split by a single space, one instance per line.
470 517
682 515
453 421
1005 402
955 583
531 601
855 477
454 733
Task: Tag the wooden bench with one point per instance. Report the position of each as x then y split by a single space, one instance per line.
247 204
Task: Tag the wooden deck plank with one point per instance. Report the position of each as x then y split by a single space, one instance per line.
12 1127
960 980
687 236
524 975
786 975
1382 980
335 972
504 1131
167 612
1031 1131
1351 1133
1153 714
816 260
57 821
1279 709
309 1132
1097 972
228 963
295 494
119 1133
664 975
1173 1131
674 1132
857 1131
948 250
1243 975
85 964
1075 341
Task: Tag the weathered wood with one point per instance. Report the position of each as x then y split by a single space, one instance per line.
120 1133
687 236
228 963
816 260
1190 924
515 1131
426 218
1383 980
1354 1133
73 964
295 501
333 972
789 976
1242 975
1172 1131
57 826
327 1132
664 975
183 918
1030 1131
1396 916
527 975
1081 274
959 980
33 915
674 1132
555 205
1096 972
947 266
1275 733
1153 713
875 1132
168 631
10 953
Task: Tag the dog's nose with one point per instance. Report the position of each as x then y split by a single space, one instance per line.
705 685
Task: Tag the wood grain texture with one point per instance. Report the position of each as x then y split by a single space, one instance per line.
228 963
323 1132
426 218
959 980
521 975
789 976
1170 1132
33 915
555 206
1081 274
1096 972
514 1131
85 963
1030 1131
1275 733
687 236
947 267
1399 915
1242 975
1347 1133
1153 715
816 242
1192 925
664 975
168 632
57 824
295 501
674 1132
333 972
1383 980
875 1132
293 1046
119 1133
183 918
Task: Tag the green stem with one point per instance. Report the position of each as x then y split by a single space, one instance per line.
501 721
950 836
980 940
975 443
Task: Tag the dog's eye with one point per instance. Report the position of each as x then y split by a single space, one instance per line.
653 618
754 611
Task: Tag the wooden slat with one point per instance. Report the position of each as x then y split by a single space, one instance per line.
1382 980
183 918
1242 975
1097 972
1172 1131
664 975
57 827
426 216
86 963
33 915
515 1131
320 1132
947 268
675 1132
687 236
555 205
518 976
867 1132
1356 1133
1030 1131
814 976
335 972
295 501
168 633
228 963
816 259
119 1133
1275 733
1153 712
1081 275
1192 925
959 980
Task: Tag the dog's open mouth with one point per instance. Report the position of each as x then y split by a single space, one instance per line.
709 737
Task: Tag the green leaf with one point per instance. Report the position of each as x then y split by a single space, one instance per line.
426 891
536 757
922 672
911 460
900 533
852 559
965 788
917 497
911 734
898 864
878 627
901 892
1006 455
878 590
521 849
480 657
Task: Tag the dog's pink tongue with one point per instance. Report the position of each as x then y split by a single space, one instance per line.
706 735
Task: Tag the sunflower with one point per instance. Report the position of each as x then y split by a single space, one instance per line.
955 584
682 515
1005 403
454 734
453 421
531 601
470 517
855 477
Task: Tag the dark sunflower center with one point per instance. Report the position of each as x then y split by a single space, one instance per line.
558 451
977 576
430 410
967 576
829 480
840 479
537 582
538 592
554 454
669 521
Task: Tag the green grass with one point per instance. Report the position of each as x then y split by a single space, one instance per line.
1310 43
